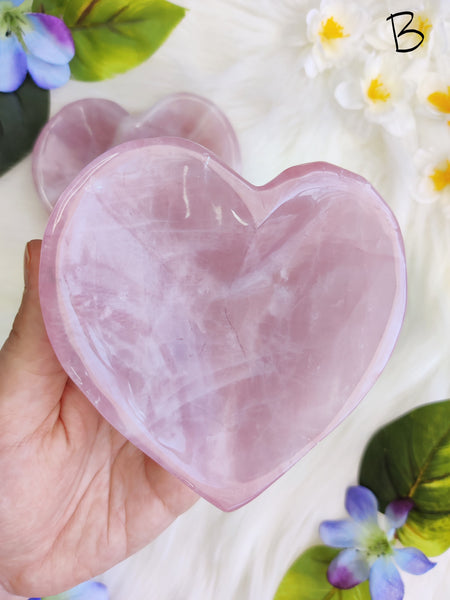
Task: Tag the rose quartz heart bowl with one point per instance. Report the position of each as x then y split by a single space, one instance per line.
223 328
84 129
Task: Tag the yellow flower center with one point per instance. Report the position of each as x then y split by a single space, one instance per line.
377 91
332 30
441 100
441 177
424 25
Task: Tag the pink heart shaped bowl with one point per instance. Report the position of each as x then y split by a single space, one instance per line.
222 328
84 129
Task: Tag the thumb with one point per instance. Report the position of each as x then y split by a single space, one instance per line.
31 378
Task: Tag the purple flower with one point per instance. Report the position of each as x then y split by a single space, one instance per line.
90 590
369 550
38 43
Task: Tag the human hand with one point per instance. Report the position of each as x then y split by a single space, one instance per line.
75 496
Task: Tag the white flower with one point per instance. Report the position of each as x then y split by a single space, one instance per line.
434 94
428 17
381 93
336 31
433 170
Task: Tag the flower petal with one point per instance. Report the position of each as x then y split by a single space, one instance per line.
90 590
49 39
45 75
397 512
384 580
348 569
13 64
348 94
361 504
413 561
339 534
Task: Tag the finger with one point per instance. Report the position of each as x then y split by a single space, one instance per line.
31 377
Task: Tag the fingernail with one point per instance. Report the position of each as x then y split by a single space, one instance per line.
26 265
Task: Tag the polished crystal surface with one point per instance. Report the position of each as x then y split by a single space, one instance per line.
223 328
84 129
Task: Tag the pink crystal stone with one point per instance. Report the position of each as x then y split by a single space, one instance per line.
223 328
84 129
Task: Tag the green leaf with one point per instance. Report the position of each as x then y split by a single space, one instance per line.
113 36
23 113
410 458
307 579
51 7
26 5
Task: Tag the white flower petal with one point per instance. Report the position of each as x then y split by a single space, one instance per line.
348 94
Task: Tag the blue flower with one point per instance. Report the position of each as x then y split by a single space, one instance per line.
369 550
38 43
90 590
